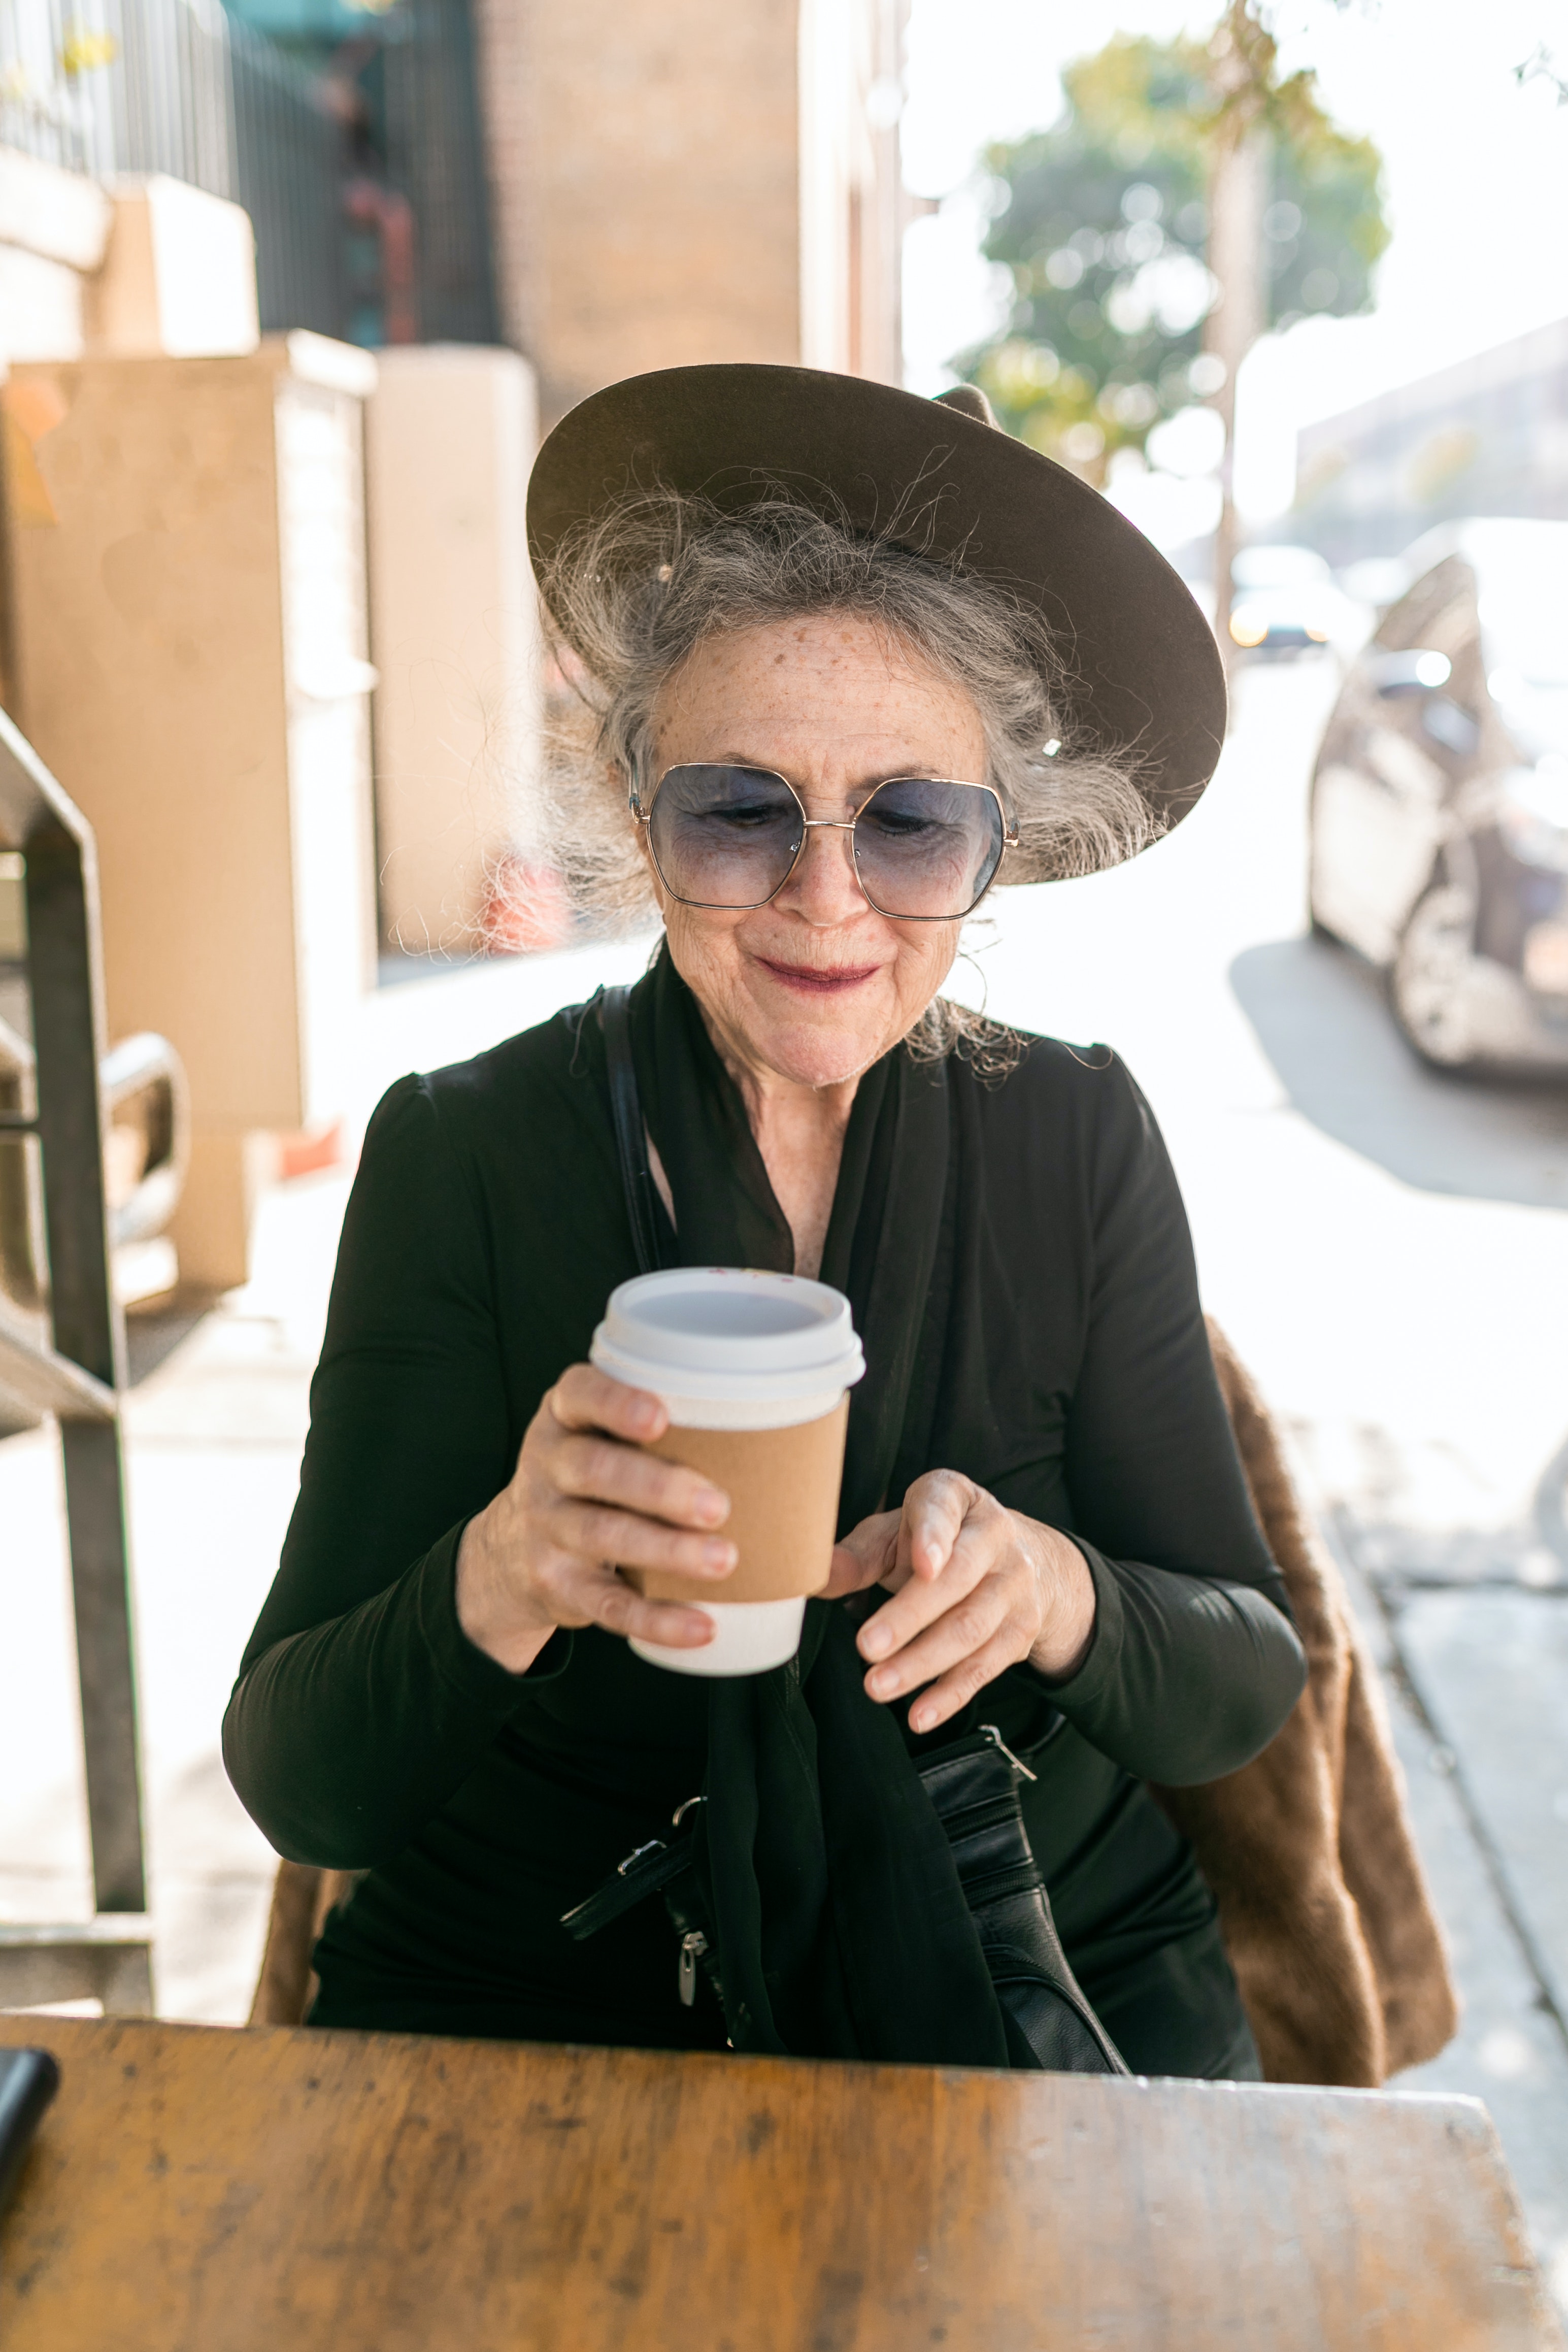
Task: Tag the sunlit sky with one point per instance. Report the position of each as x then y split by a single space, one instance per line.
1476 178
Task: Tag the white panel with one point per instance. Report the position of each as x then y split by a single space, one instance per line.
40 307
322 536
450 436
204 260
58 214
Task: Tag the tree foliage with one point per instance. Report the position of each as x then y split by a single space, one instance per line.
1102 221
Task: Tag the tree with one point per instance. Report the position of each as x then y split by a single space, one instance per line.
1187 198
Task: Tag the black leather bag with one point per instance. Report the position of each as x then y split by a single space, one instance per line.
972 1783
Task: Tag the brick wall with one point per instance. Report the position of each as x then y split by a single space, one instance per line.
644 170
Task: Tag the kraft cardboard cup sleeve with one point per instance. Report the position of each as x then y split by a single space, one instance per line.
755 1370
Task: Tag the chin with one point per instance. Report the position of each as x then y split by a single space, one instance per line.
828 1050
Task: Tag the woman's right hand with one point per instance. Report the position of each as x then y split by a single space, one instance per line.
584 1495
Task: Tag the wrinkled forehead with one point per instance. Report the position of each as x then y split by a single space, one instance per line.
832 701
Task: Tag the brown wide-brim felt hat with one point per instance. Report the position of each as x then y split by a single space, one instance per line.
936 476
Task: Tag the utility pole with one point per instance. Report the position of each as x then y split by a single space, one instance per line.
1241 58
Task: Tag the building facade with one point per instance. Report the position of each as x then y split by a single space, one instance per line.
605 188
686 183
1489 436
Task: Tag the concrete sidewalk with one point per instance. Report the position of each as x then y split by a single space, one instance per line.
1388 1251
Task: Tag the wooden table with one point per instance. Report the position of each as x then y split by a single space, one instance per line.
198 2190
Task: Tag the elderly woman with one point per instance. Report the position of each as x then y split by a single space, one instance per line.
847 658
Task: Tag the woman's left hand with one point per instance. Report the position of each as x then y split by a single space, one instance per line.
975 1588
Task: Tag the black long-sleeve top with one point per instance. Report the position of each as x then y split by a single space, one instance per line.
1065 1366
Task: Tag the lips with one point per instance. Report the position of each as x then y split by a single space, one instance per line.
813 980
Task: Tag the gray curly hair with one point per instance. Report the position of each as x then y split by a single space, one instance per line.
630 597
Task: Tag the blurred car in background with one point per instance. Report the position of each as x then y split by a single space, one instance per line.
1439 800
1284 600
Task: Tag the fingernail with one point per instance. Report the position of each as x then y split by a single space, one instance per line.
920 1718
883 1684
719 1555
875 1642
711 1505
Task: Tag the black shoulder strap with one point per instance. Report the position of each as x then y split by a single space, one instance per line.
630 1143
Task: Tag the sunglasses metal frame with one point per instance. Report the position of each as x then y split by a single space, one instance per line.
645 816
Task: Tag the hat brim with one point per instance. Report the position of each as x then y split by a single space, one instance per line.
1144 673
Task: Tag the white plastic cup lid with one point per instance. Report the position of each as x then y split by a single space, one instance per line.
729 1331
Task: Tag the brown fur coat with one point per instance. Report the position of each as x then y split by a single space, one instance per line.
1323 1904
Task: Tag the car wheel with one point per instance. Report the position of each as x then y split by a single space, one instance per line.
1551 1506
1316 926
1315 923
1427 984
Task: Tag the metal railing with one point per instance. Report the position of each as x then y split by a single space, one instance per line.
183 88
175 86
288 154
105 86
435 153
73 1372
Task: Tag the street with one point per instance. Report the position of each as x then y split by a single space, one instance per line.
1387 1250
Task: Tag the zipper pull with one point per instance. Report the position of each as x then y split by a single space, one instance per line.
995 1737
692 1946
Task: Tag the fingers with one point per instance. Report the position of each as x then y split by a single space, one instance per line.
867 1553
965 1681
586 1493
964 1613
595 1533
596 1596
604 1498
597 1469
934 1510
926 1599
961 1632
886 1546
612 1501
585 1398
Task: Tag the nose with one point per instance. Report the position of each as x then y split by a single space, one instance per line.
824 889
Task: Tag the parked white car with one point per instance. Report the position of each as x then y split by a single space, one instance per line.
1439 806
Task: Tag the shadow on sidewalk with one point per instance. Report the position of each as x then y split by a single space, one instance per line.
1321 1015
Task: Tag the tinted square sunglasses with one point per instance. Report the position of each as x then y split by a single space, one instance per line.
922 849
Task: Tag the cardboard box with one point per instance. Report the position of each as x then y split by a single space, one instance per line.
189 622
450 437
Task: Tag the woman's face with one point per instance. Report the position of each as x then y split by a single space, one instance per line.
815 986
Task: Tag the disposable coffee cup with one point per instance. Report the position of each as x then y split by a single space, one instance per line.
755 1370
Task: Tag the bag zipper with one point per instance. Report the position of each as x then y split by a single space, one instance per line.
989 1731
694 1944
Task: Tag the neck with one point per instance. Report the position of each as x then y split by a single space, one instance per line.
799 1131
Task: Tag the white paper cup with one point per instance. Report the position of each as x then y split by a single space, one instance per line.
756 1370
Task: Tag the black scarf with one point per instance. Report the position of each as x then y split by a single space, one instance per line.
843 1929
